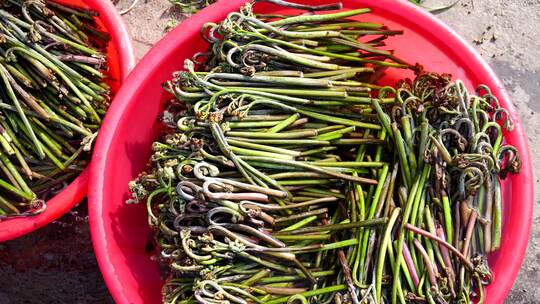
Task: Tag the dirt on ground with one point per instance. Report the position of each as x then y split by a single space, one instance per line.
56 264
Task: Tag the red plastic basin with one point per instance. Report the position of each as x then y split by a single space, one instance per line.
121 60
120 231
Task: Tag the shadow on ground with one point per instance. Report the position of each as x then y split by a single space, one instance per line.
55 264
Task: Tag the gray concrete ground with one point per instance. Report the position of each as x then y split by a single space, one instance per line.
56 264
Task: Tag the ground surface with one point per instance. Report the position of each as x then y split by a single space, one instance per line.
56 264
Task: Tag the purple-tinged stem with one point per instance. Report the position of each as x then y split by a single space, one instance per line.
410 265
441 242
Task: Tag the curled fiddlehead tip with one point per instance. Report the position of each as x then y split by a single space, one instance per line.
138 192
189 65
504 115
508 160
34 34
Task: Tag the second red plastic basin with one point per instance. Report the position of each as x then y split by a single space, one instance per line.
120 231
121 60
